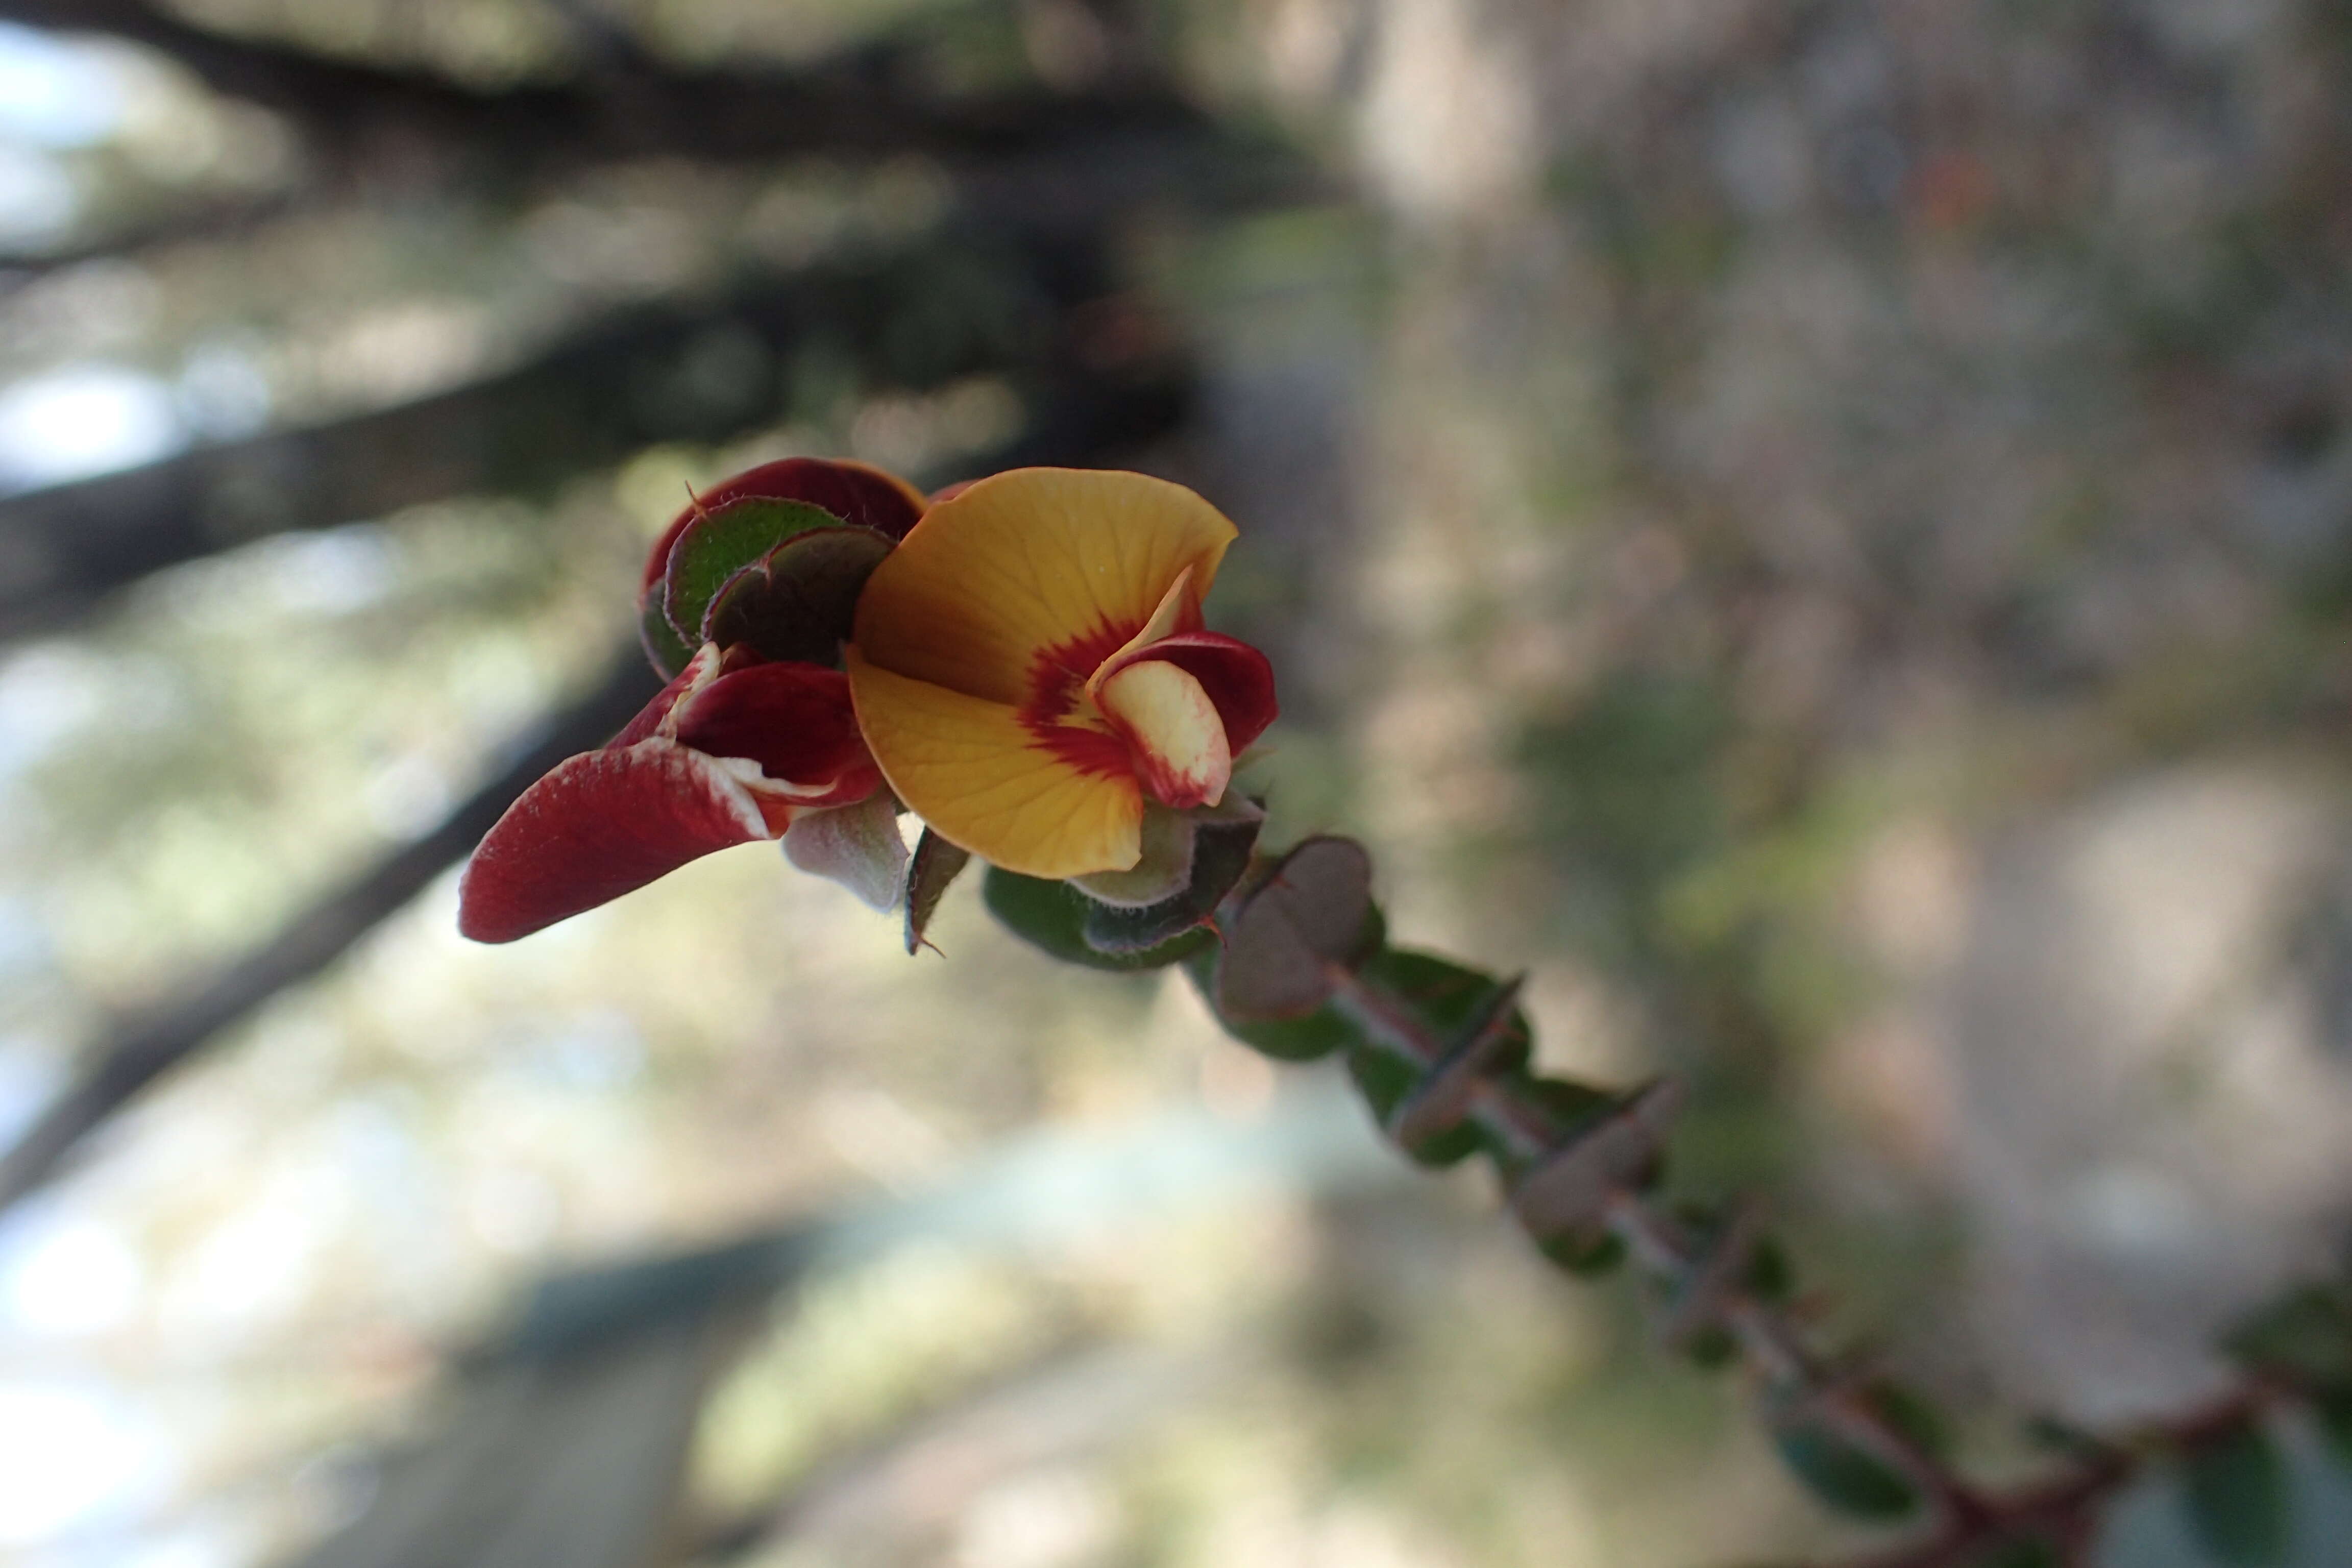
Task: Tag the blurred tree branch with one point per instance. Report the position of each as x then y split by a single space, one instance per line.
962 303
629 105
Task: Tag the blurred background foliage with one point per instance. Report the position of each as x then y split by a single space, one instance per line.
1817 530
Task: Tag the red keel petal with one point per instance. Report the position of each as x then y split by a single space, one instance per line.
603 824
1238 678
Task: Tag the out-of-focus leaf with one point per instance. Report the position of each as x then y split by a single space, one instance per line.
2235 1492
2304 1336
1307 914
1586 1256
1220 853
1909 1412
1052 916
1842 1474
2014 1554
935 864
797 601
1770 1277
718 544
2332 1415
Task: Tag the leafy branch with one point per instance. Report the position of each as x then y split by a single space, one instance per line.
1292 955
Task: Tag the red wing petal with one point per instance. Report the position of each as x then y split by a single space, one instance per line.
794 720
601 824
1237 677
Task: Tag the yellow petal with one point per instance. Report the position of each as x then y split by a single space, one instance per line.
978 775
1031 571
1178 741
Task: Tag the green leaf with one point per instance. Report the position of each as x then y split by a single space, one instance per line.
934 864
1220 853
2332 1415
718 544
1909 1412
2235 1489
663 646
1052 916
2018 1553
1587 1258
1842 1474
2304 1336
1442 998
1770 1276
797 601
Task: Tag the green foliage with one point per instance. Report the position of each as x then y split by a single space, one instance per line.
2018 1553
1909 1412
1444 998
2332 1413
1842 1475
718 545
2303 1338
1052 916
2235 1492
1770 1276
1587 1260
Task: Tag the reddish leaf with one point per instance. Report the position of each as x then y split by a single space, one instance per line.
603 824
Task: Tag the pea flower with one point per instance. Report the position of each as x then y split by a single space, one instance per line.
745 600
1030 671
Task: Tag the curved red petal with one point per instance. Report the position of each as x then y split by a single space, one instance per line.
602 824
1238 678
794 720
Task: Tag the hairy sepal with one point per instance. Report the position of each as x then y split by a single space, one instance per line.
1215 858
1052 917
